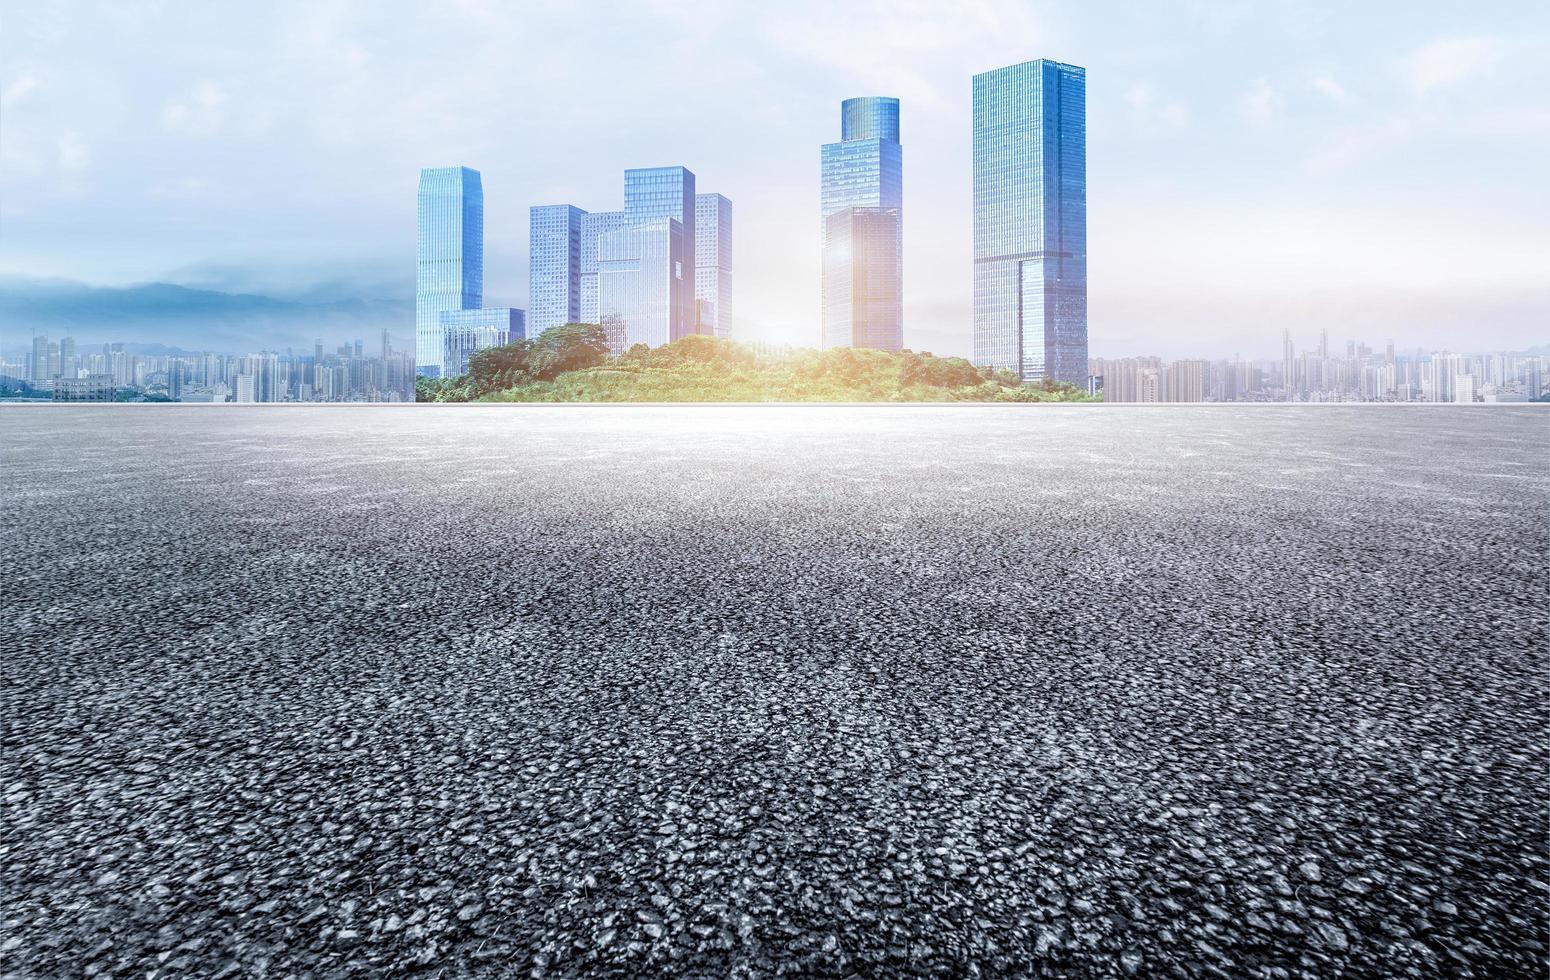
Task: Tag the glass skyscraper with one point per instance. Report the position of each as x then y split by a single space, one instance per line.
861 279
642 289
713 263
593 227
865 171
667 192
631 269
449 248
465 331
554 266
1030 221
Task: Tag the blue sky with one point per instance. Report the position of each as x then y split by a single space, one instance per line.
1375 168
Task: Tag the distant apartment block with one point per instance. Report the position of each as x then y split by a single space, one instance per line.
713 264
91 388
1030 221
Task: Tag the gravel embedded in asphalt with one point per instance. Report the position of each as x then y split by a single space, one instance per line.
735 691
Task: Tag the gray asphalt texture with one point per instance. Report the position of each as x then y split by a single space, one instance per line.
632 691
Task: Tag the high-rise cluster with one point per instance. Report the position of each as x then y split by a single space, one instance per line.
661 268
656 271
862 212
450 319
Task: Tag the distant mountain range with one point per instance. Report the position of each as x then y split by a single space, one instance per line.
160 314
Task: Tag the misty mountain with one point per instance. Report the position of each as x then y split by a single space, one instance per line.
160 313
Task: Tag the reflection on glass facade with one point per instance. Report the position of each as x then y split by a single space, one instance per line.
693 303
642 283
465 331
449 248
865 170
861 279
713 263
1030 221
554 266
594 226
667 192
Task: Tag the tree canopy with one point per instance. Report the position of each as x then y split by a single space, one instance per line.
571 363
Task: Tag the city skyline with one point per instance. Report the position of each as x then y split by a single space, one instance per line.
1295 162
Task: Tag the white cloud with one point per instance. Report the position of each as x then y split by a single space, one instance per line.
1261 104
1450 60
200 113
1330 89
74 155
1149 110
17 90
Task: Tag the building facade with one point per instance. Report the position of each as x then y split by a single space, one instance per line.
449 248
651 193
593 227
641 286
465 331
713 264
1030 221
554 266
861 279
864 171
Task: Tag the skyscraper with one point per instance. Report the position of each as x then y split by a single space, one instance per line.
861 279
449 246
713 263
638 242
593 227
554 266
667 192
641 284
1030 221
865 170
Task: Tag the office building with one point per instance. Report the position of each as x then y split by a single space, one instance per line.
1030 221
864 171
713 264
449 246
44 364
594 226
554 266
465 331
91 388
653 193
861 279
658 224
641 286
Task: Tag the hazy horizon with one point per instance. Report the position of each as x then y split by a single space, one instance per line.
1251 167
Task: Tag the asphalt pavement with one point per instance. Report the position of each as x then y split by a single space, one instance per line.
742 691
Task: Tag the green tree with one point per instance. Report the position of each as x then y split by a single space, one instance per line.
571 347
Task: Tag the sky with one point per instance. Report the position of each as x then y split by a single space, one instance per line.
1376 169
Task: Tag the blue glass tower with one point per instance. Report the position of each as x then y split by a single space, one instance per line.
865 170
594 225
449 248
554 266
642 291
667 192
1030 221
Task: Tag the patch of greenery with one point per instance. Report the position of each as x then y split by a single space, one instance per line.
571 364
